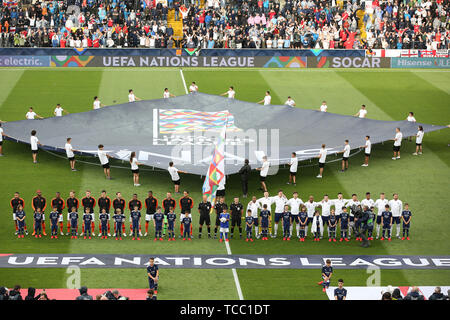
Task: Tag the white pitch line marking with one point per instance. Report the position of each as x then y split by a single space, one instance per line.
184 82
235 276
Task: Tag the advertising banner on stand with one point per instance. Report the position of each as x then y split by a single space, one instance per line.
429 63
349 62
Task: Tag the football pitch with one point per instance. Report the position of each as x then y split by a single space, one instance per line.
422 181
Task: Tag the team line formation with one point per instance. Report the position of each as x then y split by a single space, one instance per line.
335 213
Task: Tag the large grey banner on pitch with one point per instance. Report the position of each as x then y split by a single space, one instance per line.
184 129
223 261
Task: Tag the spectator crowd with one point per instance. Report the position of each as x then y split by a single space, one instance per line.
236 24
16 294
414 294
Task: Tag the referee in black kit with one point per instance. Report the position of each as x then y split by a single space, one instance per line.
245 173
204 209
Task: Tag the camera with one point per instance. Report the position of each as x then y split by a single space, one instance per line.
356 211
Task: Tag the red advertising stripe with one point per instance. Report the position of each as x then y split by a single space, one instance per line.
71 294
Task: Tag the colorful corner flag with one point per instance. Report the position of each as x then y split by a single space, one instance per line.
215 176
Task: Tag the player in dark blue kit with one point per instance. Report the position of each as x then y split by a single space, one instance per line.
265 222
370 223
38 216
20 218
340 293
286 216
104 219
158 219
344 224
357 224
87 220
406 218
327 272
224 219
249 226
54 218
153 272
119 218
171 219
73 218
303 220
386 221
332 225
186 222
135 216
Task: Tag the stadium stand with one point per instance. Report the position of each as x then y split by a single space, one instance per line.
320 24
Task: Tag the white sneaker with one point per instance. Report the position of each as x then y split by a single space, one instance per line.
319 176
394 158
62 233
137 185
109 234
140 234
114 234
414 154
82 234
364 165
398 157
124 234
420 152
99 234
145 234
93 234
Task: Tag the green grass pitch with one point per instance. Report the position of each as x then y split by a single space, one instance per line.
388 94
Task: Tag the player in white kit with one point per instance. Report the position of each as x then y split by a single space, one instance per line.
380 204
253 206
310 209
266 200
367 149
352 203
345 156
58 112
397 143
167 94
419 138
230 93
132 97
267 99
338 204
396 206
290 102
295 202
325 204
293 166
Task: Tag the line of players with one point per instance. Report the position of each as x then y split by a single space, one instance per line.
104 203
305 215
258 217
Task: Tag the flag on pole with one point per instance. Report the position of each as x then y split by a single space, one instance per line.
215 176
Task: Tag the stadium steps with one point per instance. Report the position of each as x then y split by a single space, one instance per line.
176 25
